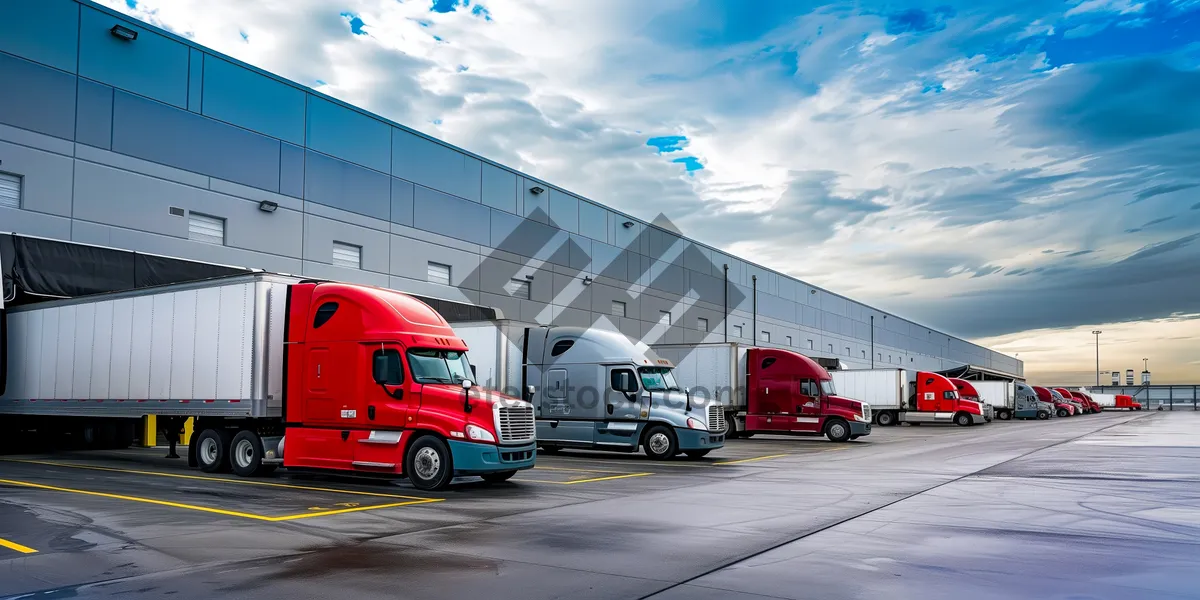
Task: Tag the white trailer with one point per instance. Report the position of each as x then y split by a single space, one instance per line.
892 396
1104 400
1000 395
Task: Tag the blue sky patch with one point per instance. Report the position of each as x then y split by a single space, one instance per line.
1160 28
132 4
245 36
915 20
479 11
668 143
356 24
691 163
445 6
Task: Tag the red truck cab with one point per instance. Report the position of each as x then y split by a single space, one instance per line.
1061 407
790 393
966 391
1088 404
376 382
937 396
1127 402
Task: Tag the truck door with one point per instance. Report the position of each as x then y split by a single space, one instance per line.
808 406
560 421
626 407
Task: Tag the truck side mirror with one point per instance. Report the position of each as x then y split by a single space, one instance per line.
530 391
467 384
379 368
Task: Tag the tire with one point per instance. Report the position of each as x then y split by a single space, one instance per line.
125 435
886 418
212 450
500 477
1043 415
1004 415
696 454
838 431
246 454
428 464
659 442
962 420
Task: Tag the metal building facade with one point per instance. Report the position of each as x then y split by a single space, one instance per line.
159 145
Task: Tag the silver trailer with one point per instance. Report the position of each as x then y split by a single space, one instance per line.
715 374
1000 395
593 389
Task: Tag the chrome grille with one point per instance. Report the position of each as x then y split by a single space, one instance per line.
515 423
716 417
866 412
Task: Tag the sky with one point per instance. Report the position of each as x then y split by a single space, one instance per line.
1017 173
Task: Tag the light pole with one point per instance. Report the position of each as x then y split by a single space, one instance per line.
1097 334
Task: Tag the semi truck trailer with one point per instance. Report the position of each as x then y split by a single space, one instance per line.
896 396
594 389
768 390
1117 401
276 371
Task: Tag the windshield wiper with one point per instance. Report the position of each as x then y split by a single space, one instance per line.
437 380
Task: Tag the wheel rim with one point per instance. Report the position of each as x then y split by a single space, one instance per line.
243 454
659 443
208 451
838 430
885 419
427 463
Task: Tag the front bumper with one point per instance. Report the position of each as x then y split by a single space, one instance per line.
980 419
471 458
859 428
695 439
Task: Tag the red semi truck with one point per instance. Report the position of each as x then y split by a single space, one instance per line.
1062 407
768 390
925 397
1126 402
1088 404
355 378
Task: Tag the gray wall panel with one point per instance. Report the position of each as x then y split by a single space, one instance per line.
212 147
33 223
46 31
94 115
435 166
593 221
564 211
324 271
344 133
36 97
46 179
534 206
153 65
347 186
499 188
240 96
137 165
320 234
410 259
196 81
402 202
291 170
451 216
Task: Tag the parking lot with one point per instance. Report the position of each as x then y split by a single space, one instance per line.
856 519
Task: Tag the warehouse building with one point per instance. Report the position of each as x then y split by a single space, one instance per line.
116 133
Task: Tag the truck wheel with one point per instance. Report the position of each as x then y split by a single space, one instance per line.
246 454
660 443
125 435
1004 415
212 450
549 449
696 454
838 431
1062 412
962 420
428 464
886 418
500 477
1043 415
731 428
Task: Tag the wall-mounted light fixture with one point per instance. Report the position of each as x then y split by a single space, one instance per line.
535 190
587 280
812 291
268 206
123 32
529 277
627 224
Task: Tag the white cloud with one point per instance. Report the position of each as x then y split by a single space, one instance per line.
1118 6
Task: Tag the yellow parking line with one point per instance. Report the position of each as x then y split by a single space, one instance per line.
541 468
747 460
17 547
217 479
591 480
219 511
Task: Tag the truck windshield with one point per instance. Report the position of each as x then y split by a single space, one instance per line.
658 378
439 366
827 388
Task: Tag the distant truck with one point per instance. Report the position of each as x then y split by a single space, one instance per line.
353 378
997 394
594 389
1028 406
1117 401
1088 404
924 397
768 390
1062 408
1080 406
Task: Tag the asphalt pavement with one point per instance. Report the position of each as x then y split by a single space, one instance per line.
1098 506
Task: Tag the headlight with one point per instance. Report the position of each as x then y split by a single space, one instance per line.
480 434
696 424
864 414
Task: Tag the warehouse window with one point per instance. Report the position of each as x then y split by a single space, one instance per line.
831 348
737 331
764 336
518 288
702 324
664 317
618 308
847 350
439 273
347 255
203 228
810 344
864 353
10 191
789 341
